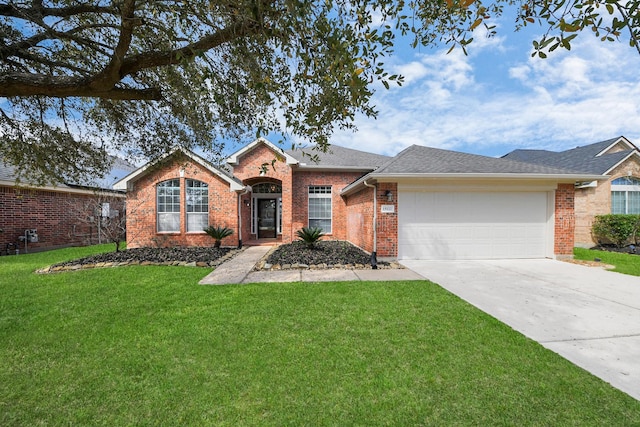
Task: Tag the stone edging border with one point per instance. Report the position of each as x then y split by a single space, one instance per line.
265 266
76 267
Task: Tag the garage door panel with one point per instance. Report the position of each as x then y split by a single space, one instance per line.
459 225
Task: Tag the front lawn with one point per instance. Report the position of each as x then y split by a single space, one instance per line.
624 263
146 345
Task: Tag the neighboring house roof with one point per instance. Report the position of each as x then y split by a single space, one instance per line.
119 169
592 158
124 183
425 162
337 157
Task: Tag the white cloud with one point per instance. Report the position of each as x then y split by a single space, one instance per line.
412 71
465 103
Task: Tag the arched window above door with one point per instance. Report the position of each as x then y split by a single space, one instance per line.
267 188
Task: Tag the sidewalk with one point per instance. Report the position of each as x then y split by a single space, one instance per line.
239 270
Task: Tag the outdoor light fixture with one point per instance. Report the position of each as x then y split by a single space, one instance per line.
389 195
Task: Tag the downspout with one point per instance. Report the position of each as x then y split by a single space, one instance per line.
374 253
247 189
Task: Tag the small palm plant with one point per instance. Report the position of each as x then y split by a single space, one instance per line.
310 235
218 233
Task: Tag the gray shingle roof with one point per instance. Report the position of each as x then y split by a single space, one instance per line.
426 160
337 156
119 169
582 159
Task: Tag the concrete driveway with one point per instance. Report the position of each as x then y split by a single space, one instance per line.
588 315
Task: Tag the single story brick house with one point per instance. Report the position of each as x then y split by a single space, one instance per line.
424 203
35 218
616 160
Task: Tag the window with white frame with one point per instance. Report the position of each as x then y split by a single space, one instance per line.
168 206
197 202
625 195
320 207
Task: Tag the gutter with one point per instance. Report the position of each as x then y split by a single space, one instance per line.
318 168
63 188
374 253
530 176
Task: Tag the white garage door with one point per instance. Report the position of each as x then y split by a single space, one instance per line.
484 225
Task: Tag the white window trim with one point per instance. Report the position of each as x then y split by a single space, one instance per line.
320 195
158 213
186 208
626 189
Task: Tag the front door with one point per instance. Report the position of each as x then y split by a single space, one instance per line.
267 218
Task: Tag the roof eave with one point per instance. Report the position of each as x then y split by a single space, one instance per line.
318 168
505 175
125 182
62 188
560 178
633 153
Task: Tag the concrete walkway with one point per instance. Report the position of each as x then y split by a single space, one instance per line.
587 315
239 270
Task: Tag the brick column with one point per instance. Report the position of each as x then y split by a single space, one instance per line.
565 221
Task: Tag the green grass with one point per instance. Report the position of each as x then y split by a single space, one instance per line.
624 263
146 345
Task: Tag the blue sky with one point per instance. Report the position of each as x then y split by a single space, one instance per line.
498 98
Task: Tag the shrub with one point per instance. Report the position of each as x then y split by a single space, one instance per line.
218 233
310 235
615 228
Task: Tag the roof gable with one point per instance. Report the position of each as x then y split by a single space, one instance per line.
125 183
234 159
618 144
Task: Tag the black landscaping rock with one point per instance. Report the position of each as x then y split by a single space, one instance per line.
327 252
154 255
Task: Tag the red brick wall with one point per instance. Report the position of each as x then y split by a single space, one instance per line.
59 217
360 219
564 220
337 180
141 207
387 222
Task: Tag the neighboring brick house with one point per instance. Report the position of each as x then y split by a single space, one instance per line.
60 214
617 160
423 203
